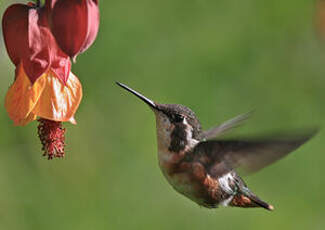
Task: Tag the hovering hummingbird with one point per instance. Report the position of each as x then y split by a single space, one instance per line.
203 168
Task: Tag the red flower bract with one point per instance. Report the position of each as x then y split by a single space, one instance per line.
15 31
74 24
29 41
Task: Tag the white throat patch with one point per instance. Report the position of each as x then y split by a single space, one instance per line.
189 135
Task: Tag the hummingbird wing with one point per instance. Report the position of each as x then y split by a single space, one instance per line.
225 126
251 155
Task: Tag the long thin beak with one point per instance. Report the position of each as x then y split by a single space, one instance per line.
139 95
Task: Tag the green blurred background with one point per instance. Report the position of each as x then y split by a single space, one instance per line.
218 57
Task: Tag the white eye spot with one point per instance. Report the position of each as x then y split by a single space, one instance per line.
185 121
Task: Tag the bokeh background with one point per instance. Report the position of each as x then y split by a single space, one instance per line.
219 57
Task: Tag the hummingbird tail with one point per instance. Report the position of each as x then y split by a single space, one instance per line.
255 199
245 198
250 201
259 202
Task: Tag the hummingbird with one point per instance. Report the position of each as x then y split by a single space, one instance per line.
202 166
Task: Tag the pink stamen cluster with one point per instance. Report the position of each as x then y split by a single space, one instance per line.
51 134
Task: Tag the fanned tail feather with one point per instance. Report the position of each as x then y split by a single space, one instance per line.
260 203
243 201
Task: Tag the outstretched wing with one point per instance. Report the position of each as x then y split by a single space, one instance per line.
220 156
225 126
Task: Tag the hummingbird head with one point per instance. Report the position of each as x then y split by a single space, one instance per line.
177 125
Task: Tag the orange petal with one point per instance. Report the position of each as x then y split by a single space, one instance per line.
59 101
25 121
73 121
22 97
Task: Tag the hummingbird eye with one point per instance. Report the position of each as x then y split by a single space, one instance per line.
178 118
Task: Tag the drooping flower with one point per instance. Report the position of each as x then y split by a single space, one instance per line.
44 86
74 24
320 19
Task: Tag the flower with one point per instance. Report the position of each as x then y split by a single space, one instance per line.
44 87
74 24
320 19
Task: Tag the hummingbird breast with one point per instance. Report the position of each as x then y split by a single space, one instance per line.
179 176
192 180
175 143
